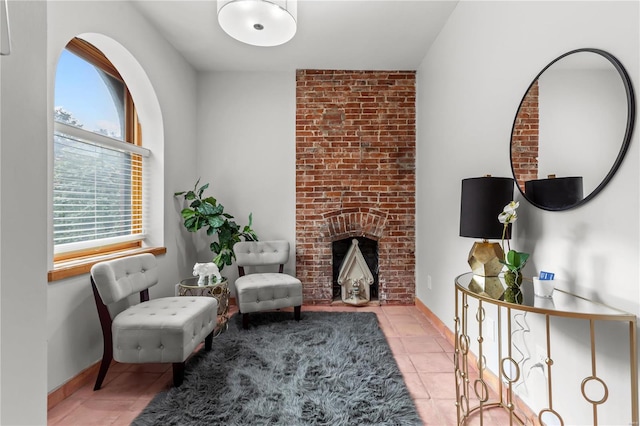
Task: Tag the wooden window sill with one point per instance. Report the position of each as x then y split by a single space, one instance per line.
72 268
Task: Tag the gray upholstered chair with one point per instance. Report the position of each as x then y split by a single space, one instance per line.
163 330
263 291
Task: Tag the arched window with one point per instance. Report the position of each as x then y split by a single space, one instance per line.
98 161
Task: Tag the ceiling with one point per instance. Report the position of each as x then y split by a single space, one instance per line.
332 34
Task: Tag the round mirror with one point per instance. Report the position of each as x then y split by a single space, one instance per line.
572 129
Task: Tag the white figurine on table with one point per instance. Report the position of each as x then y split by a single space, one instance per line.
206 272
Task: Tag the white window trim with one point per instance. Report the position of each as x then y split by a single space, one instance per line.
84 245
87 136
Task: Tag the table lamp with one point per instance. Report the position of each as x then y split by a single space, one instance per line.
482 200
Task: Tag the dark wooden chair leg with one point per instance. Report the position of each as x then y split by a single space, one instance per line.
245 321
107 357
208 341
296 312
178 373
107 338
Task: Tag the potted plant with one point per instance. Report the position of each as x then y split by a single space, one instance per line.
514 260
208 213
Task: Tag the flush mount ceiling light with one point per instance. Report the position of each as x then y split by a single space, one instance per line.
259 22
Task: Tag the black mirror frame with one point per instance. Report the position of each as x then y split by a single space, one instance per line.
631 115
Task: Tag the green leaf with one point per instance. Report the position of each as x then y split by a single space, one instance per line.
202 188
250 235
215 222
185 213
226 257
218 261
224 234
207 209
516 260
191 224
178 193
190 195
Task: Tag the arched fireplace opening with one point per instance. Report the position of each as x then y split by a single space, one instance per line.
369 250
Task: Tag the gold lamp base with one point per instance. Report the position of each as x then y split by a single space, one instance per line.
484 259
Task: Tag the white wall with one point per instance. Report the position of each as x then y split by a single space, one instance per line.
246 138
23 218
469 88
73 331
581 112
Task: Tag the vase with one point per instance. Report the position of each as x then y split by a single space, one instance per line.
513 292
513 278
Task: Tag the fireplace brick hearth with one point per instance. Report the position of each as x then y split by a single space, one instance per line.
355 176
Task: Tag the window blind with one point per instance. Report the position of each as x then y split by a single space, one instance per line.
97 190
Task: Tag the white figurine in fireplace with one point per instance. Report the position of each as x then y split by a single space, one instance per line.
355 278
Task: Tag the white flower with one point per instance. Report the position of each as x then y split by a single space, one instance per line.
509 214
507 218
511 207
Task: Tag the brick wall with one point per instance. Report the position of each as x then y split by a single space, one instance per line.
355 175
524 148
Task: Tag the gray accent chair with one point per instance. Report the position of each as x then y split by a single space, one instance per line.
263 291
162 330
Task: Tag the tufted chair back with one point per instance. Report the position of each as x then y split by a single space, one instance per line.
120 278
260 253
116 280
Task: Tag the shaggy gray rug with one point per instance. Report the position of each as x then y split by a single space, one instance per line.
331 368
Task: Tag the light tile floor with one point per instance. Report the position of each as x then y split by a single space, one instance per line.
424 357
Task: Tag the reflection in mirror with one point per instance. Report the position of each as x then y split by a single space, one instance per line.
491 287
574 124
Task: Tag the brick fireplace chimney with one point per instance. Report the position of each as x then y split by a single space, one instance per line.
355 175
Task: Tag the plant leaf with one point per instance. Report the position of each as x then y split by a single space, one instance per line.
191 224
215 222
202 188
207 209
516 260
210 200
186 213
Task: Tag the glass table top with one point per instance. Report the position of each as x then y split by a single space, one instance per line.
561 303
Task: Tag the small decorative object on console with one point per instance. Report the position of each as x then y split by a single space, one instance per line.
544 284
546 275
513 260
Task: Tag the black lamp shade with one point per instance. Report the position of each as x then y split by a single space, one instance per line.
482 200
554 193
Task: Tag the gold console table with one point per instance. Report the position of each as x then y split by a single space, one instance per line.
488 290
